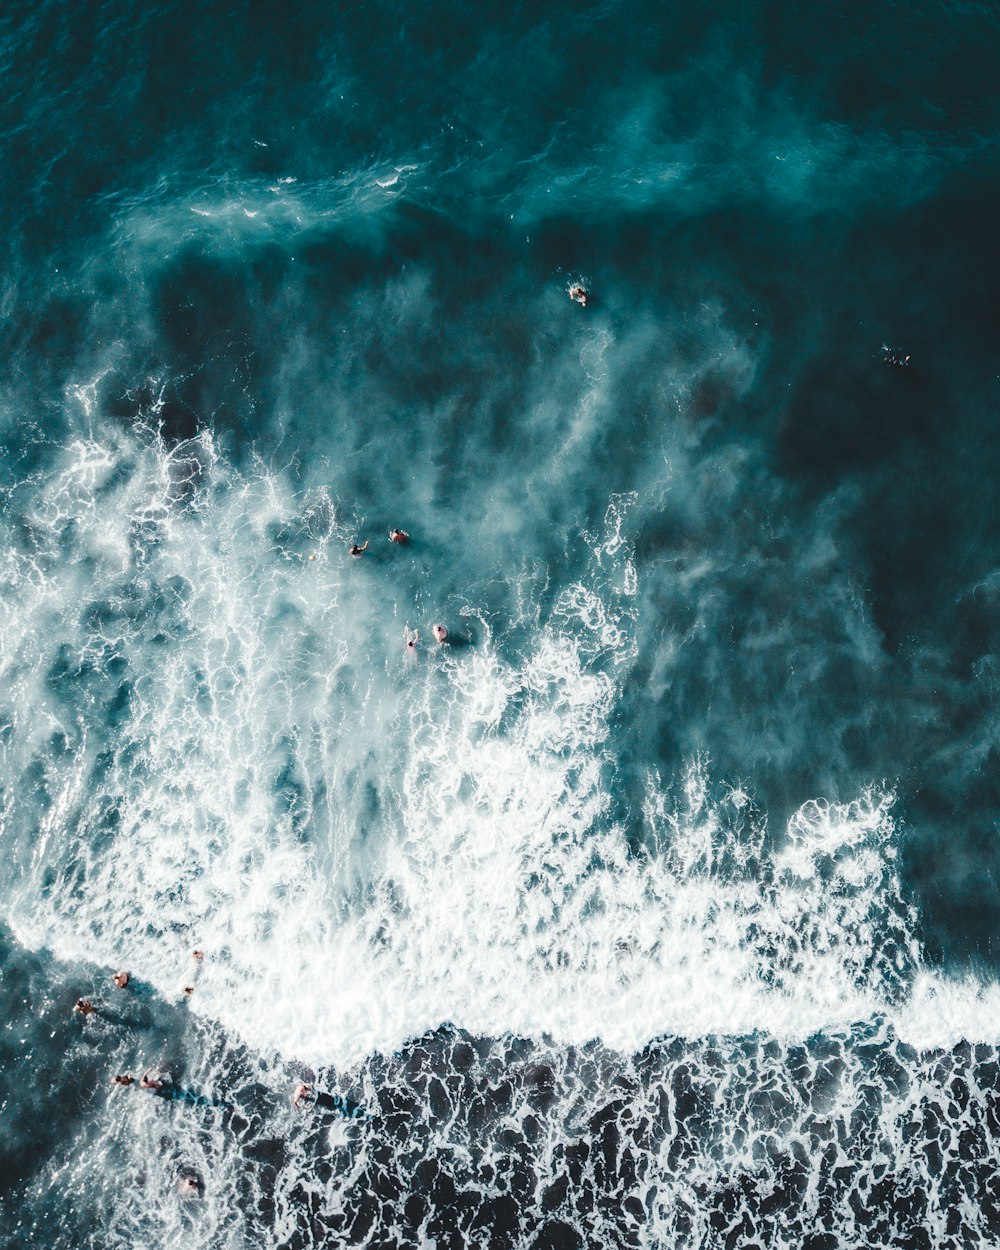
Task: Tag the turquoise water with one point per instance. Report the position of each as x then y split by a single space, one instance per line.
657 906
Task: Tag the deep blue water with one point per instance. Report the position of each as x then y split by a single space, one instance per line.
657 908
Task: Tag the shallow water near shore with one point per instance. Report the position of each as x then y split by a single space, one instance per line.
658 906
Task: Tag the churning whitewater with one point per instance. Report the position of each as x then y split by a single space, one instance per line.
235 754
499 627
220 744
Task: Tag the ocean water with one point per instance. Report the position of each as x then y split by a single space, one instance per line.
658 907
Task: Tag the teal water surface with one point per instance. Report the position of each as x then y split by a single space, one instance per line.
684 844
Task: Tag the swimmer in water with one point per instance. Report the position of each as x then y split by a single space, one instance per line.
355 550
120 979
123 1078
306 1096
84 1006
399 536
302 1096
187 989
439 632
578 294
152 1080
411 641
189 1186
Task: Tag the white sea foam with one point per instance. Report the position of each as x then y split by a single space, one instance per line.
366 850
229 214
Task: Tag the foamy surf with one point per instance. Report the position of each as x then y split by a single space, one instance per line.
365 848
656 907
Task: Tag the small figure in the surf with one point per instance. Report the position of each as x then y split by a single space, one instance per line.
579 294
440 633
159 1082
355 550
197 957
155 1081
189 1186
410 641
305 1096
84 1007
120 979
399 536
894 359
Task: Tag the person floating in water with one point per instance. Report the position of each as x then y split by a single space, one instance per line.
120 979
410 646
303 1096
161 1084
893 359
306 1096
84 1007
197 957
439 632
355 550
189 1185
578 294
399 536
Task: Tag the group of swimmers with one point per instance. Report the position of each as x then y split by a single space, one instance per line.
120 980
159 1082
410 637
395 536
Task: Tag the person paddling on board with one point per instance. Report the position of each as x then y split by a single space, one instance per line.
305 1096
156 1082
302 1096
411 641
